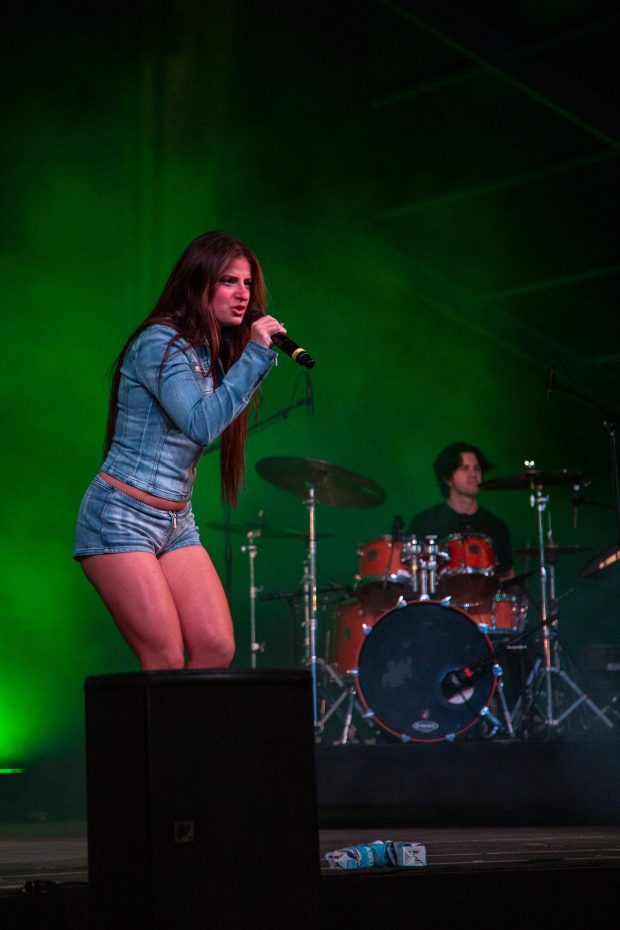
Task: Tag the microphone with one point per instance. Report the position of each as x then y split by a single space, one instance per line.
457 681
309 395
290 348
551 379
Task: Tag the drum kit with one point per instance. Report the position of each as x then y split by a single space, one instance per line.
416 643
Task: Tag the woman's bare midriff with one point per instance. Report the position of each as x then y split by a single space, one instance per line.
160 502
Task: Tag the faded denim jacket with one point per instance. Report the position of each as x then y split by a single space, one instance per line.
168 414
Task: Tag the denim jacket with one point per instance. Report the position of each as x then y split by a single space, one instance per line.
167 417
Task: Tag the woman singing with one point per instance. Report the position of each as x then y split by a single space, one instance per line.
185 376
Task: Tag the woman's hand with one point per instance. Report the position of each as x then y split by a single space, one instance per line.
264 328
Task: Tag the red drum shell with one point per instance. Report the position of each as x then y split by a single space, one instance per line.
348 634
468 577
383 574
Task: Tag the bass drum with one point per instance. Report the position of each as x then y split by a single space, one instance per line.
408 666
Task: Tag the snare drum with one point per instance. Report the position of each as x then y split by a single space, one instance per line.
468 577
384 574
504 615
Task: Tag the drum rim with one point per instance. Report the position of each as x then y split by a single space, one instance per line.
468 570
387 537
484 536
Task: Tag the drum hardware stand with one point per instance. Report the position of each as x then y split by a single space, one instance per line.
252 549
507 726
428 569
542 675
348 693
310 600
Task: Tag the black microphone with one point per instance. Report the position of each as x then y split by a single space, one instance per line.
457 681
309 395
290 348
551 379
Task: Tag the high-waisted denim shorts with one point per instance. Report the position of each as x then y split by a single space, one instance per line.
110 521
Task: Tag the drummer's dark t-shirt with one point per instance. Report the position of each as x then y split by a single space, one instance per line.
442 521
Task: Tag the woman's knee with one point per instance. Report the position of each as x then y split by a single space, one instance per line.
163 658
213 651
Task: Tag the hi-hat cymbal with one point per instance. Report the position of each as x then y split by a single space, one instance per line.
552 551
333 485
264 530
532 478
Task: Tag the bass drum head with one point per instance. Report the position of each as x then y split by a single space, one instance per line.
405 666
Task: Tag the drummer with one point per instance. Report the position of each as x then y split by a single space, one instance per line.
459 469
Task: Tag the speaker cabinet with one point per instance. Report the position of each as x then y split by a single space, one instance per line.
201 800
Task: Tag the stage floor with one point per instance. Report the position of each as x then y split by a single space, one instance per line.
499 874
516 835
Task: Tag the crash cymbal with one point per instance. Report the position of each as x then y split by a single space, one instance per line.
531 479
333 485
602 562
552 551
265 530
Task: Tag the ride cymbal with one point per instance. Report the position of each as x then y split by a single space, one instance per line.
532 478
333 485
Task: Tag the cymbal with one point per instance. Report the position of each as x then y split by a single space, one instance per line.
601 562
532 478
333 485
552 551
265 530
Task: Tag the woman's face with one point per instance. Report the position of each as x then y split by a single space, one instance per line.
232 293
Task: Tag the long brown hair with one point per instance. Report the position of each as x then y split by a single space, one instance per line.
185 304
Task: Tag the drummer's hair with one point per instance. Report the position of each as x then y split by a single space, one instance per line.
449 460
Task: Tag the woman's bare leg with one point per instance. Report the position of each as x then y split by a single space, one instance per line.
135 590
202 607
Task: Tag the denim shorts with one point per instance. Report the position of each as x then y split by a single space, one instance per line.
110 521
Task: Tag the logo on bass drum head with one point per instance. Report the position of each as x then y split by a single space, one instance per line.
425 726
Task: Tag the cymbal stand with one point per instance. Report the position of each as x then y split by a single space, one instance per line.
310 598
252 549
543 674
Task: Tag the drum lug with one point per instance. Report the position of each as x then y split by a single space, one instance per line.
450 737
446 601
404 738
401 602
483 627
369 714
366 629
498 671
354 673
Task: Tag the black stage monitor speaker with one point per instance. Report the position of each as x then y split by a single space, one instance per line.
201 801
